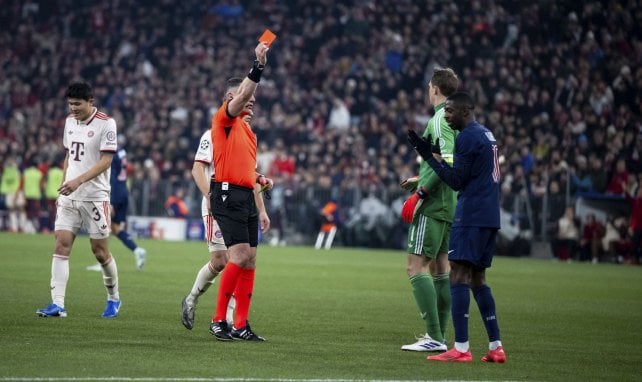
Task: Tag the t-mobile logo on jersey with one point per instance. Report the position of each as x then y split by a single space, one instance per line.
77 149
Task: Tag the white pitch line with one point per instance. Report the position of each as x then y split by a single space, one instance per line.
196 379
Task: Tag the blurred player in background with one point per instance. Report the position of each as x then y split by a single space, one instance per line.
202 171
33 183
330 217
119 205
89 138
55 177
476 175
232 200
430 212
11 189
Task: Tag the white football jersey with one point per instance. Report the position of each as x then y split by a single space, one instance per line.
204 154
84 141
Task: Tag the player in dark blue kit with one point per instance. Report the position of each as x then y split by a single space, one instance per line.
119 201
475 175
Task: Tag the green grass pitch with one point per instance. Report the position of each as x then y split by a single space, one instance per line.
327 315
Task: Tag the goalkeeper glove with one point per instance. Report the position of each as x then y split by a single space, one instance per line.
423 146
410 184
411 204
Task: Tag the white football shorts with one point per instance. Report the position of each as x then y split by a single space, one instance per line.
94 216
213 234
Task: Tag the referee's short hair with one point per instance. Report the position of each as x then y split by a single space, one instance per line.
232 83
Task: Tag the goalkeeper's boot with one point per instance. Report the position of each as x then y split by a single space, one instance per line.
220 330
425 343
189 311
52 310
111 309
496 355
140 254
452 355
245 333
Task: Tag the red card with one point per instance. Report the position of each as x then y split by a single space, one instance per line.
267 37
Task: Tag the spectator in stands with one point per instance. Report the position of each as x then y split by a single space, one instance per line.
616 241
580 176
556 201
527 159
175 204
634 155
566 239
374 220
619 179
635 224
598 176
591 240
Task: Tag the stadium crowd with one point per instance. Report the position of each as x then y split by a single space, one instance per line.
557 82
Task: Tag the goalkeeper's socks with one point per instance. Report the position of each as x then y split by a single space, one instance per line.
460 294
486 304
204 279
126 238
424 291
243 296
229 279
442 287
59 278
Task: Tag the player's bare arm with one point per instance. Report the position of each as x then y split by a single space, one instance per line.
264 219
199 173
72 185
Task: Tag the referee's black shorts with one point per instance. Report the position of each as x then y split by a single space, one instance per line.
235 212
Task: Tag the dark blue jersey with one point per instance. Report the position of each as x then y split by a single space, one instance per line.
475 174
118 179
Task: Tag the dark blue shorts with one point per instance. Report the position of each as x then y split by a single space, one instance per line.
475 245
120 210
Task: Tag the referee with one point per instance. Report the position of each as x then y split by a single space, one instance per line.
232 199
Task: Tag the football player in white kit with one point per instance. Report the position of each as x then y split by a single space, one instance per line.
90 142
202 171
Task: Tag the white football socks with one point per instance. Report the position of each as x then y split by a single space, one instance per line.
204 280
462 347
110 279
59 278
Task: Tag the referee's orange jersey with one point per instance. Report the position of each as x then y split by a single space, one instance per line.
234 146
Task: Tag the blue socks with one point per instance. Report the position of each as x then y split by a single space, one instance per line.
460 294
486 304
126 238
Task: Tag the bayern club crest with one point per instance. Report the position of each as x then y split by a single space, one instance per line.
218 234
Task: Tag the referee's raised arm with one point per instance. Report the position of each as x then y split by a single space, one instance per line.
248 86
